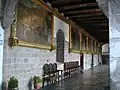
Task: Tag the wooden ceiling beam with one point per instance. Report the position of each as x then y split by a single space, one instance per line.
98 25
75 14
62 3
83 16
92 18
105 30
51 1
78 6
82 11
104 25
103 21
74 18
80 16
94 26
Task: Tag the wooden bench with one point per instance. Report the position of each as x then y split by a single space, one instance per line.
70 68
50 73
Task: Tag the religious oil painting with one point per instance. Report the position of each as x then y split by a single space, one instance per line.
89 45
34 25
84 44
75 40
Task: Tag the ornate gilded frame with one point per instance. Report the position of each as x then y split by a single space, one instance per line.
70 49
14 41
86 43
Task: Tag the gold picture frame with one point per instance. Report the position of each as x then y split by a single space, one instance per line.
70 43
15 39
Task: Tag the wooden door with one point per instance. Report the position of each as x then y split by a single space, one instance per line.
92 62
82 61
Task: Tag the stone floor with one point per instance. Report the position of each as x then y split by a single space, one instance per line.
92 79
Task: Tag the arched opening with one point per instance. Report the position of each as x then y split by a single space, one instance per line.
60 46
105 53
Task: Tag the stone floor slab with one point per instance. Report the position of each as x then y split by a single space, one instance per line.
92 79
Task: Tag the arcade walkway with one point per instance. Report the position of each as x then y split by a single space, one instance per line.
92 79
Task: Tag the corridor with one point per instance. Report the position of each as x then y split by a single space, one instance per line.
92 79
58 34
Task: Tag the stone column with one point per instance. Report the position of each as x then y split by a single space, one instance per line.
0 10
8 10
114 37
1 53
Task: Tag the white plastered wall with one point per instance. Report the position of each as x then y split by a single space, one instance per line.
59 24
87 61
96 62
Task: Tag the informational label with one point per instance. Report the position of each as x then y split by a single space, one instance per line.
1 53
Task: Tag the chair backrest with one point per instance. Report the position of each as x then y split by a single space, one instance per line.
77 63
46 69
64 65
71 64
51 67
54 67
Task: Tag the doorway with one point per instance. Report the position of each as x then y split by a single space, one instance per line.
82 61
60 39
92 62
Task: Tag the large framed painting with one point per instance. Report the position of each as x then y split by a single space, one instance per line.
32 25
95 46
92 46
89 45
97 50
93 49
74 42
84 43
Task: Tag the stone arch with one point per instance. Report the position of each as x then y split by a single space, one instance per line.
105 53
105 47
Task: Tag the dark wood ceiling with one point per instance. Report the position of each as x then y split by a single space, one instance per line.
86 14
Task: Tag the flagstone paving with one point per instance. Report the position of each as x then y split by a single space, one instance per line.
92 79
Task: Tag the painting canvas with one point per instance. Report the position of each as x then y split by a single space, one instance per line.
97 47
92 46
75 36
89 45
83 42
34 23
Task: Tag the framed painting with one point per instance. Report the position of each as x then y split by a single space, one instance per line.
84 43
32 25
74 40
92 46
97 51
89 45
95 48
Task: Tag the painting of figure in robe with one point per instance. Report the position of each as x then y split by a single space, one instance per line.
89 45
34 23
84 44
75 37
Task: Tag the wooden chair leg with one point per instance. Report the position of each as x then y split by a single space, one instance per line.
58 76
43 82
